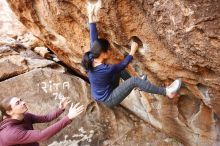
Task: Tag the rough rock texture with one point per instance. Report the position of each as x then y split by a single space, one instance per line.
181 40
9 25
97 126
16 59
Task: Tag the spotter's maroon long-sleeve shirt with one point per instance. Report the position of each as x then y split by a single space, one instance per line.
21 133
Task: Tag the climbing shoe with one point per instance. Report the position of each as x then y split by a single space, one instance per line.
173 88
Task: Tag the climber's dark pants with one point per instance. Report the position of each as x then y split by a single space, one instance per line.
124 89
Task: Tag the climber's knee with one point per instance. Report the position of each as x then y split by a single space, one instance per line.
134 81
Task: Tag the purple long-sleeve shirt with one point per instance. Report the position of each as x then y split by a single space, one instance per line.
21 133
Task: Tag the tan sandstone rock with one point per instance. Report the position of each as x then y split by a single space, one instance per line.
180 40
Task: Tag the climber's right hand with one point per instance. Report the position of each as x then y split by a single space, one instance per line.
134 47
75 110
90 10
93 9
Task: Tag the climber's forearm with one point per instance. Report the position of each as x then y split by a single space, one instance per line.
93 33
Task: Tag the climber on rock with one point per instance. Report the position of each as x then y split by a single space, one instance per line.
16 127
103 77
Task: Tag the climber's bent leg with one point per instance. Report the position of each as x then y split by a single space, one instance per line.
125 88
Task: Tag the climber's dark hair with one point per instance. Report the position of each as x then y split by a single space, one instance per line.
99 46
